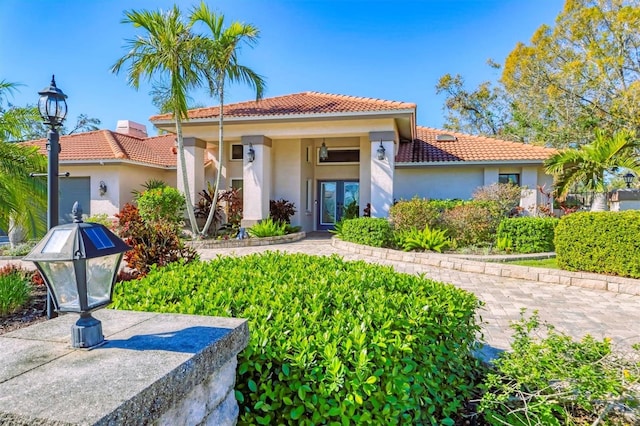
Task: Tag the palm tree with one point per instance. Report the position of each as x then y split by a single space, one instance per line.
168 50
220 64
588 164
23 197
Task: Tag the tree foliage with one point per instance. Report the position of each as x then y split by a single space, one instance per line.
581 74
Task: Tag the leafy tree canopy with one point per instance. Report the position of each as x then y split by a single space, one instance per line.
581 74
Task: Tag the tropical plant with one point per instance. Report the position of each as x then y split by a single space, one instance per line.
589 164
168 50
268 228
23 197
426 239
153 243
164 204
15 288
220 64
148 184
281 210
351 210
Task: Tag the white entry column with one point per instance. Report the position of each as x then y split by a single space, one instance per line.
382 170
194 159
256 179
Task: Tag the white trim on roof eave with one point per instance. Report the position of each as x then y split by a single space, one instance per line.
532 162
286 117
114 162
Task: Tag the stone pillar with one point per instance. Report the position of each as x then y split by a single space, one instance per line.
256 176
382 173
194 157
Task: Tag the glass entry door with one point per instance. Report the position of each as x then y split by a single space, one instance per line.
337 197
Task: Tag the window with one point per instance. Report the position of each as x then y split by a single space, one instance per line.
236 152
513 178
341 156
236 184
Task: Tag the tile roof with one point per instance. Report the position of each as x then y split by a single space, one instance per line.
107 145
297 104
426 148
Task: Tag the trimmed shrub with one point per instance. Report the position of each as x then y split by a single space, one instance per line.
601 242
473 223
375 232
332 342
164 204
528 234
419 213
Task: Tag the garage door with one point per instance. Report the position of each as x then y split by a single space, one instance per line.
74 189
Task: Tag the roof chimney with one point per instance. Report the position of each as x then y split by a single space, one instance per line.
131 128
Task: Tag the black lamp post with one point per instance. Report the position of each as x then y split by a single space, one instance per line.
79 263
628 179
53 110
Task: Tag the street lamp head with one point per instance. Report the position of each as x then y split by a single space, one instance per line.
628 179
79 263
52 104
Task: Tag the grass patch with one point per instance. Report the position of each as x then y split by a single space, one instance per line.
551 263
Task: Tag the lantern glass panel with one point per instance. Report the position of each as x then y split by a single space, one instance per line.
57 240
65 288
100 273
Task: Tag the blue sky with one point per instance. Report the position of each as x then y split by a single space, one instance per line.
393 50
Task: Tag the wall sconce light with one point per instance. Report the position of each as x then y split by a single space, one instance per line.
102 187
381 151
628 179
324 152
251 154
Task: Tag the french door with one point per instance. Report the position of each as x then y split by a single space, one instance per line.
334 197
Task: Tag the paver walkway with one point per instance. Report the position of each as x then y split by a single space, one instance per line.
574 310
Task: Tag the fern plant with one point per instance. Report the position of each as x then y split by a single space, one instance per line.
427 239
268 228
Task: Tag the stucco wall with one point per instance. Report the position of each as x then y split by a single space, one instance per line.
120 180
437 182
286 174
441 182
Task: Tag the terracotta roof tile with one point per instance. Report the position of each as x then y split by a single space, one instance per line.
107 145
296 104
426 148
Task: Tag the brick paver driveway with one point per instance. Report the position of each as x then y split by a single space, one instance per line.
573 310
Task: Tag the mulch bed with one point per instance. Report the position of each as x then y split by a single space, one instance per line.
31 313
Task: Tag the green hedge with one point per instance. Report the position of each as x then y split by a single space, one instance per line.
528 234
332 342
374 232
601 242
